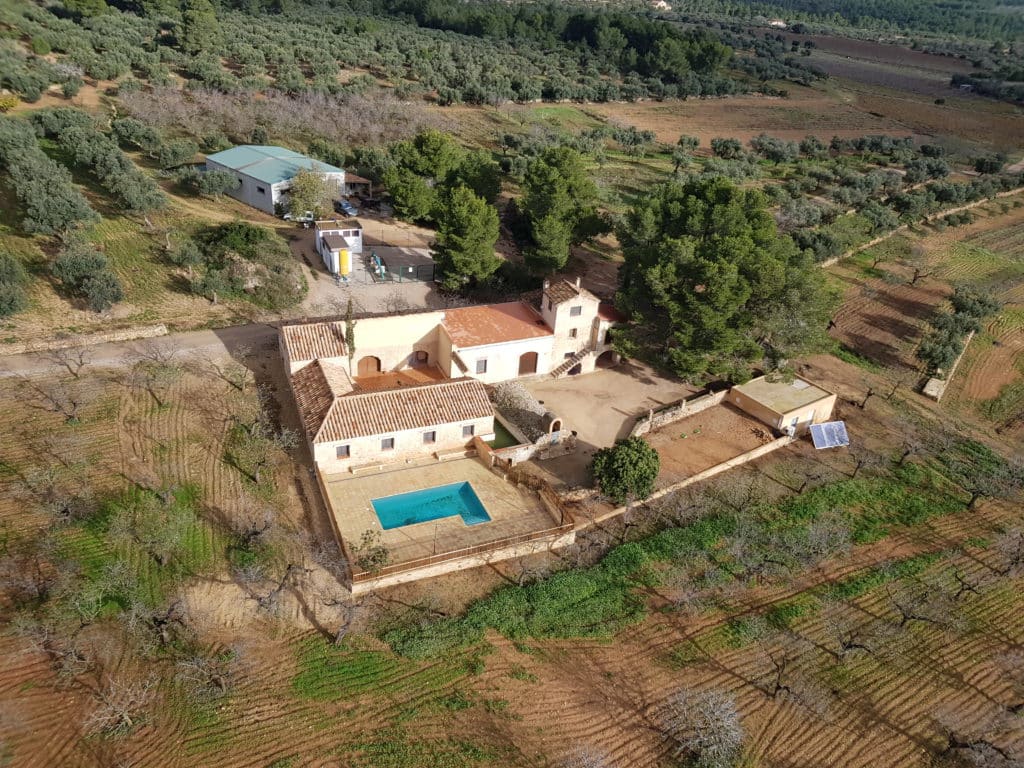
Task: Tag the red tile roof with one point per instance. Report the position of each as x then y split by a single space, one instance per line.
494 324
311 341
561 290
608 312
394 410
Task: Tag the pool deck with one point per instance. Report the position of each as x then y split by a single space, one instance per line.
514 510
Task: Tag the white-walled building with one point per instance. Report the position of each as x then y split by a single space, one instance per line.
265 173
337 242
433 365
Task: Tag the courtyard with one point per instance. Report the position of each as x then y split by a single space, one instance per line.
701 441
601 407
514 510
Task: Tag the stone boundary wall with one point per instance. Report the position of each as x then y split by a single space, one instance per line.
86 340
725 466
674 412
536 546
903 227
935 387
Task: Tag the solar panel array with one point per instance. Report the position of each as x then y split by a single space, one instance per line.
831 434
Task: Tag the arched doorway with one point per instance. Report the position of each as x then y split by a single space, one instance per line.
608 359
368 366
527 363
419 359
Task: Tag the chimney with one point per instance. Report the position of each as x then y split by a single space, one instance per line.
547 283
578 279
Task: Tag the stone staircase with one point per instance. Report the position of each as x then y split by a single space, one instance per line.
568 364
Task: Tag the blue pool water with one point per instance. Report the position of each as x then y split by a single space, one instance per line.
431 504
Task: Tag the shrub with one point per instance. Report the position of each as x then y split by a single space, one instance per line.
12 285
102 290
176 152
627 470
727 149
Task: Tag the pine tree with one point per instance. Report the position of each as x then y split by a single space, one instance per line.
467 229
200 28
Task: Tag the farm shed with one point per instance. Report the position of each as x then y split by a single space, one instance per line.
336 242
782 404
265 173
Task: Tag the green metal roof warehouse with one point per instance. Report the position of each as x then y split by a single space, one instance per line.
265 172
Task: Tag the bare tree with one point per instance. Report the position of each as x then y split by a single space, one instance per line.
1011 664
395 301
849 631
923 601
256 442
586 756
207 677
155 523
864 459
233 372
1009 547
157 628
73 359
64 398
977 743
704 725
121 705
789 677
912 445
155 368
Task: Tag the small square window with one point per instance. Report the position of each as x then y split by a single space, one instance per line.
342 452
481 366
429 438
387 444
572 333
261 190
569 354
575 311
467 431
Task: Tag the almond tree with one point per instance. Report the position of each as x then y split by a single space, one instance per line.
704 726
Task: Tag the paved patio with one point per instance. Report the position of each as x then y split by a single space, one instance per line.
513 510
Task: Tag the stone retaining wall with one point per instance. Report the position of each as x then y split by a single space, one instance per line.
85 340
676 411
725 466
935 387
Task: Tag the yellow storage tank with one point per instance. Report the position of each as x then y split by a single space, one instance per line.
344 262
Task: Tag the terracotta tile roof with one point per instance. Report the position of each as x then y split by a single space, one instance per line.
561 291
608 312
387 411
313 395
494 324
311 341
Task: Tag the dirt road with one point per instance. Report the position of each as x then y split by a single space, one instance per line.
217 343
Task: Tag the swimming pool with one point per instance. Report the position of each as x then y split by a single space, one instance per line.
431 504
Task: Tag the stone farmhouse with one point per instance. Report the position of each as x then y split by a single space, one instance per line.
413 386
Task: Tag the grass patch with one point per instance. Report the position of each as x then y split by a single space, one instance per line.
595 602
1007 404
848 355
873 505
866 581
146 522
328 672
393 748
